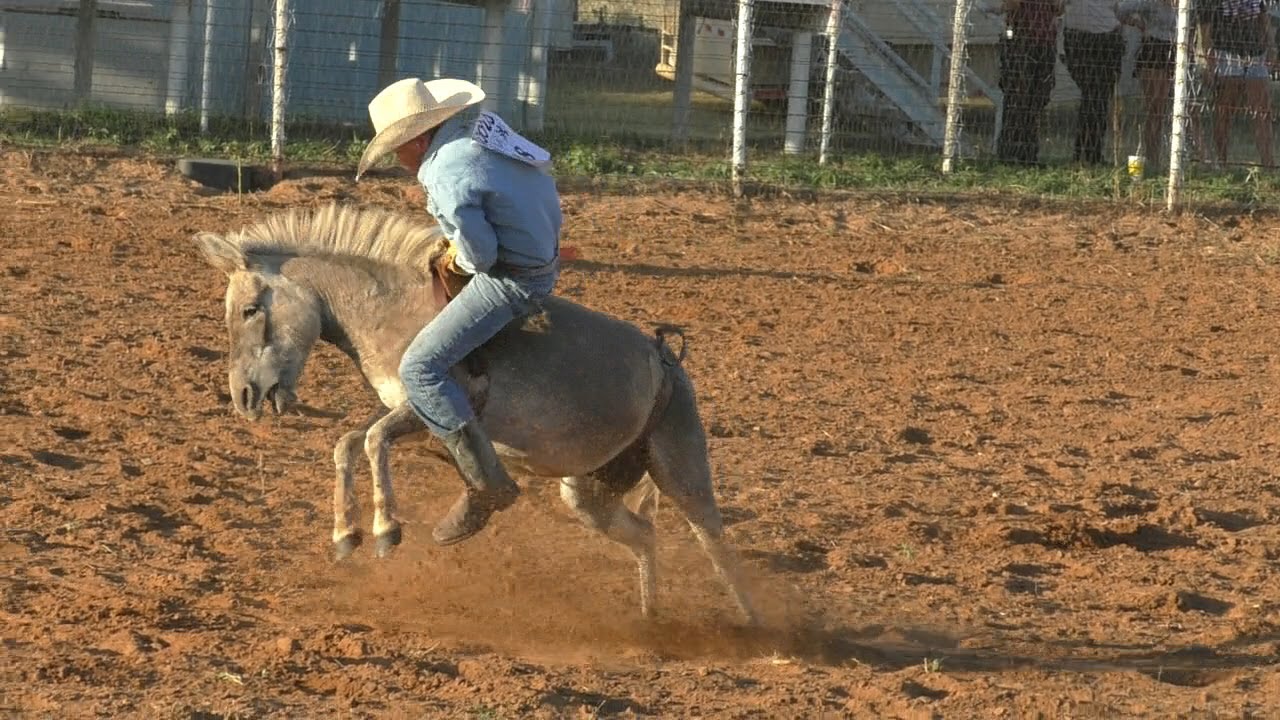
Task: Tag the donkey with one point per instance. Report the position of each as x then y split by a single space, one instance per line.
566 393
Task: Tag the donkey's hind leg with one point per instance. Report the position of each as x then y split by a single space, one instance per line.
678 464
597 499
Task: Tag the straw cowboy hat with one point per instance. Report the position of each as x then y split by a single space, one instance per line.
407 108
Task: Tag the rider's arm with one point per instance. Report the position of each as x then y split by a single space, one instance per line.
455 184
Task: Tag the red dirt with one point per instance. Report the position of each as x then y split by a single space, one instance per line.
982 461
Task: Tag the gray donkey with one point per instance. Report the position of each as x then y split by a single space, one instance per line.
568 393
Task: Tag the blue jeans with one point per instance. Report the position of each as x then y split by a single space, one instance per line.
1231 65
484 306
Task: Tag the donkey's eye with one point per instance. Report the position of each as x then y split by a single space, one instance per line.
250 311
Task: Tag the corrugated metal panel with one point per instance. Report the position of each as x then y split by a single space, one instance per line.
333 54
38 38
333 65
562 19
333 59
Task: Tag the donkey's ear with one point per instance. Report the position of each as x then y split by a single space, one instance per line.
220 253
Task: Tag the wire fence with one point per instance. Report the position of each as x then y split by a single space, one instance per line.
1150 89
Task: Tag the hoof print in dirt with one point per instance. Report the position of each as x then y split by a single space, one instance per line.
226 174
347 545
388 541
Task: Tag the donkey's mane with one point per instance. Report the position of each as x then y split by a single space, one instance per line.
343 230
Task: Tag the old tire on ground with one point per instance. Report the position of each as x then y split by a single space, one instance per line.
225 174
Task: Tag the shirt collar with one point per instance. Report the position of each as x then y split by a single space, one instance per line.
450 129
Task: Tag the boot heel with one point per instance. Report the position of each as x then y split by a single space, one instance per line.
489 488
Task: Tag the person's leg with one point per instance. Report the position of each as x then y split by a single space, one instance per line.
1077 53
1013 87
1258 96
1226 102
1043 68
1155 85
1110 56
1198 87
483 307
1098 61
1211 89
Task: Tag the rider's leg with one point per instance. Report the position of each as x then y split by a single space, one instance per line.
481 309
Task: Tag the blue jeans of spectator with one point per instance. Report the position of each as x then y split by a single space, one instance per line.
485 305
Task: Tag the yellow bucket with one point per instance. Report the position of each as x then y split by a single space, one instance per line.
1137 165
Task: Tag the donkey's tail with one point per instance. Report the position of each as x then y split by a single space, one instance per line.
643 499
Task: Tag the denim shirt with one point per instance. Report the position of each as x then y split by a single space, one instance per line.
498 211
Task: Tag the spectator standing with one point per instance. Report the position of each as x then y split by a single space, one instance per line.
1028 60
1094 50
1240 56
1154 65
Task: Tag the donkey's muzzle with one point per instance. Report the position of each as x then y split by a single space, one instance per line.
249 399
280 398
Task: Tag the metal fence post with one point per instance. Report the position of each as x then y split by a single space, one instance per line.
955 86
741 93
1181 105
278 88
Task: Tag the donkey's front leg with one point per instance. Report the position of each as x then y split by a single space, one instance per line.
346 536
395 424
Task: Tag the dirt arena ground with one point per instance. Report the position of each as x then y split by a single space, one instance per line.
981 461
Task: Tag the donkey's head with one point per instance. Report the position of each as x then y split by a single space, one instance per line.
272 322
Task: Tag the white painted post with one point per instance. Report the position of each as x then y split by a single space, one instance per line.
834 25
206 71
536 90
490 67
3 100
278 87
682 94
741 93
179 32
798 93
83 78
955 86
1181 106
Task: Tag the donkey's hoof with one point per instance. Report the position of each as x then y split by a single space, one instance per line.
347 545
388 541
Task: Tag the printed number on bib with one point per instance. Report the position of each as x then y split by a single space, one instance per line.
493 132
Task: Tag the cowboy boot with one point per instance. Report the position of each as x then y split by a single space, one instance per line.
489 487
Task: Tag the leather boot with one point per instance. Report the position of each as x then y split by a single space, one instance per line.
489 487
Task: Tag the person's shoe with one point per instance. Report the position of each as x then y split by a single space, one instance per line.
489 488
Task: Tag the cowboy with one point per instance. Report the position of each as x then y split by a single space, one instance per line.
490 192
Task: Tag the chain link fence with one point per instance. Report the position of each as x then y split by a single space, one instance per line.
810 92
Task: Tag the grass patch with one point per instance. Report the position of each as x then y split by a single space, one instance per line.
178 135
628 154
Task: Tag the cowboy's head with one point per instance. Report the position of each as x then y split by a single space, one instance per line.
407 112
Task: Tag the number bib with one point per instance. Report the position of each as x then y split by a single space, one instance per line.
492 132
